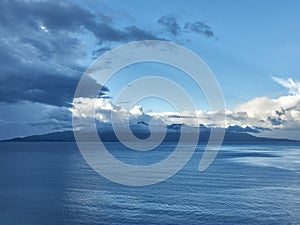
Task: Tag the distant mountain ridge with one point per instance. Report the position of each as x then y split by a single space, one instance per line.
233 134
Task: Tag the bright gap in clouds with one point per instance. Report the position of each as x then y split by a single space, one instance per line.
125 78
155 104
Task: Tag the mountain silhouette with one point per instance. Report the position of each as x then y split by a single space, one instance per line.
141 130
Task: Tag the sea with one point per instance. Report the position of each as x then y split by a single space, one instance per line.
50 183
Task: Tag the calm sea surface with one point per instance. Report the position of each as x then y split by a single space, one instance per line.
50 183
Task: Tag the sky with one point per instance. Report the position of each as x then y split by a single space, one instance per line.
252 47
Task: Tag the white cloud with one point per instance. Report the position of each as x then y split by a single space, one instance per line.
272 113
281 113
262 112
290 84
104 111
44 28
137 110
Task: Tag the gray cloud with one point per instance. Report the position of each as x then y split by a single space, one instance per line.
170 24
178 116
200 28
276 121
66 16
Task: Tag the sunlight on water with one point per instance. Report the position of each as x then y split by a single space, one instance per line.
287 159
50 183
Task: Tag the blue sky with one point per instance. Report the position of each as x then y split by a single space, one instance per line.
255 40
46 46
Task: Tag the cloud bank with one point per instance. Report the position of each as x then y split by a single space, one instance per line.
259 115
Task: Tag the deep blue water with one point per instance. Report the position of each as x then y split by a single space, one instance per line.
50 183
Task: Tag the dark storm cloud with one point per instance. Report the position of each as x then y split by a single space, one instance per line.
200 28
170 23
54 15
36 81
51 88
41 48
66 16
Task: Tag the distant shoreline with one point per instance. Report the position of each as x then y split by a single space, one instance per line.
230 138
